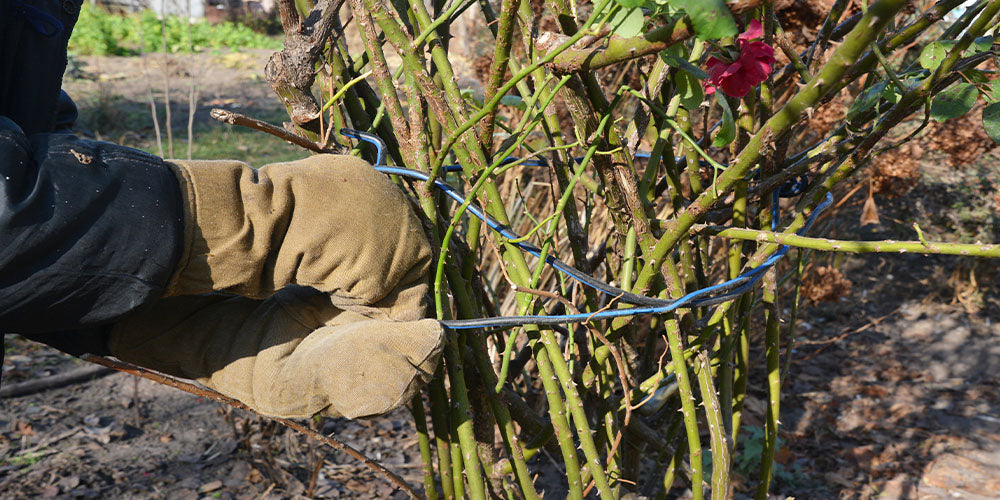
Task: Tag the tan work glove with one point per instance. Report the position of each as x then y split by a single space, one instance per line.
291 355
331 223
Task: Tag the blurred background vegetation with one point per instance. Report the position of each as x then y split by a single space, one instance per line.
102 32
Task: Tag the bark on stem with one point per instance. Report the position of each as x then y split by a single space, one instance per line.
292 71
498 67
828 245
383 79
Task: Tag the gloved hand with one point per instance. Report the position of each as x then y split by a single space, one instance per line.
354 344
329 222
92 233
291 355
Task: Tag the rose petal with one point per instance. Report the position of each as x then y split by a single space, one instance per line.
720 73
736 86
754 64
753 70
726 71
754 31
759 50
757 59
713 64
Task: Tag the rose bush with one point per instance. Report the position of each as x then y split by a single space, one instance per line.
624 146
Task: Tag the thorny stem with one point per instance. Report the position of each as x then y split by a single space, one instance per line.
856 42
687 407
433 120
828 245
772 350
498 67
719 439
424 443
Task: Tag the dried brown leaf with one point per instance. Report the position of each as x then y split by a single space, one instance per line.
825 284
869 213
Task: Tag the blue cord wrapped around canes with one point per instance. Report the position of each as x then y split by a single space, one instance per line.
707 296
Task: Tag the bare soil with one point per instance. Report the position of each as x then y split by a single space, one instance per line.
893 391
113 92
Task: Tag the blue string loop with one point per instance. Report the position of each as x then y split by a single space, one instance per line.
725 291
369 138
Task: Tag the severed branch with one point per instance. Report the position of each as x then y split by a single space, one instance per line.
231 118
215 396
292 71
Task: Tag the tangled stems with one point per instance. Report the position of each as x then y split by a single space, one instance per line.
473 194
854 45
577 391
521 75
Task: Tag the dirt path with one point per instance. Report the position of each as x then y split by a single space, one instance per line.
896 395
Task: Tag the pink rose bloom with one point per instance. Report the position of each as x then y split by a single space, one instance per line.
754 64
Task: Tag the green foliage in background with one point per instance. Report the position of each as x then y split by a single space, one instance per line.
99 32
747 462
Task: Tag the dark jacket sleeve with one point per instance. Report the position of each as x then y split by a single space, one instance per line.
88 231
33 39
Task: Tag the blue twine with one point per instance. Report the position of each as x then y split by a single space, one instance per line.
648 305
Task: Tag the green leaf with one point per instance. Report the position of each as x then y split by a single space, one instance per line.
954 102
727 132
627 23
993 90
683 64
991 121
866 100
976 76
711 18
513 100
932 55
630 4
982 44
689 88
892 94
